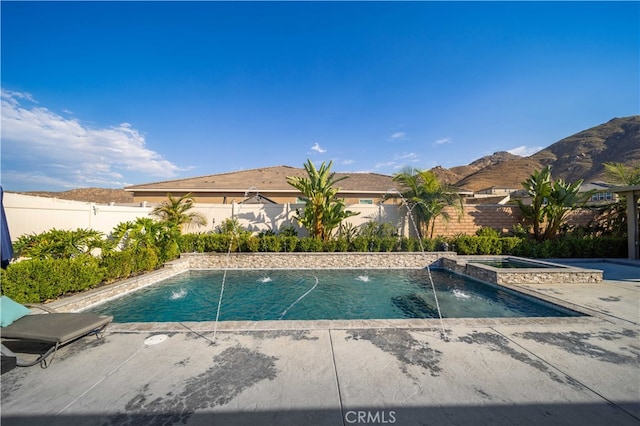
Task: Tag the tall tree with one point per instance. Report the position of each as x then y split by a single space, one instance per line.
620 174
323 212
427 197
551 201
538 188
176 211
612 218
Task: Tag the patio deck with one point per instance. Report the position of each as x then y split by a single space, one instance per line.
570 371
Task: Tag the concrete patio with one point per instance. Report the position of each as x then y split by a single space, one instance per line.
549 371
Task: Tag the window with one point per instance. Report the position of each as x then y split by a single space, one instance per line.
365 201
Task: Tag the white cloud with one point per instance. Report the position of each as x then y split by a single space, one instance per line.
53 149
347 162
524 151
398 161
316 147
398 136
442 141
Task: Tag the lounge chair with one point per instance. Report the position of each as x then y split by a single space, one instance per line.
51 330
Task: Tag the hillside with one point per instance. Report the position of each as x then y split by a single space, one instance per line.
579 156
92 195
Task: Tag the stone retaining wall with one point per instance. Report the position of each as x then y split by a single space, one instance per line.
313 260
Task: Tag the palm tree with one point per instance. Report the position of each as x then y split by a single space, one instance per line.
538 187
612 218
175 211
551 202
323 212
564 197
623 175
424 194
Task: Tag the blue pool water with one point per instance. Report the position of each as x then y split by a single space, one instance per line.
340 294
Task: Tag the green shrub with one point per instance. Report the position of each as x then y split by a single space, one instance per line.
409 244
388 244
359 244
58 244
485 231
118 265
342 245
145 259
192 243
488 245
310 244
288 243
218 243
248 244
287 231
466 245
40 280
270 243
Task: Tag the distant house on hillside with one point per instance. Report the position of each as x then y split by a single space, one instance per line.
264 185
603 193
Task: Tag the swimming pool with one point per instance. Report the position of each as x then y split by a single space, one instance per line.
259 295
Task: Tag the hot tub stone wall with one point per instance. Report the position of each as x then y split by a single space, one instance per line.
560 275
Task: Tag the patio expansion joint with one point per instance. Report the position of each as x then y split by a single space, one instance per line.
335 373
102 379
585 386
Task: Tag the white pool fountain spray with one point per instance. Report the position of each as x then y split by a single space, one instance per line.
395 192
226 268
299 299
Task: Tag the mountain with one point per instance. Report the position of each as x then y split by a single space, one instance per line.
579 156
92 195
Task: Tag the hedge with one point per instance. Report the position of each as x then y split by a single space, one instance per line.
41 280
567 247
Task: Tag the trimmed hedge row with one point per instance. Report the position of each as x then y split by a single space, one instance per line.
39 280
568 247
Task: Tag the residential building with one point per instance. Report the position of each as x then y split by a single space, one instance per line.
266 185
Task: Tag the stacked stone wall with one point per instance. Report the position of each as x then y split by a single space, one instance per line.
313 260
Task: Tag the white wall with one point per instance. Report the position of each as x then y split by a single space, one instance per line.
33 215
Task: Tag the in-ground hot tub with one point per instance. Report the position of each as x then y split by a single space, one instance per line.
517 270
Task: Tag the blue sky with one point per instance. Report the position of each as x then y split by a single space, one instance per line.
110 94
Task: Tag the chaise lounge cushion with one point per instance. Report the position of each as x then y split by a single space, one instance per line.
11 311
54 328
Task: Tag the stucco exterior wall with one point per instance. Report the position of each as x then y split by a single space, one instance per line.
34 215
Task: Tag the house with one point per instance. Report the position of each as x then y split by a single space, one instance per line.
602 195
266 185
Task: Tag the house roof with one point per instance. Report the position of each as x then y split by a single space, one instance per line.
272 179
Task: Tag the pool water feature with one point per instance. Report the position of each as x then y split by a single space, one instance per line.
343 294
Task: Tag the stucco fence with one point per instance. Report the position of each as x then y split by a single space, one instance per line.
33 215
